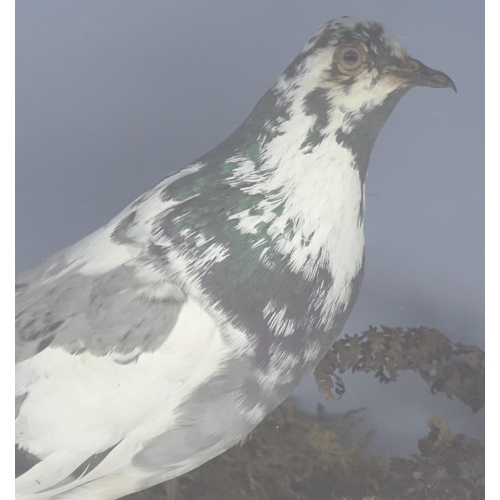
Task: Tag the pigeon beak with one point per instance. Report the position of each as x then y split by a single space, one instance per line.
417 74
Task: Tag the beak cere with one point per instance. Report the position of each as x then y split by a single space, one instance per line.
417 74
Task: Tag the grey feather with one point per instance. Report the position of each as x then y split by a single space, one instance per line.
102 314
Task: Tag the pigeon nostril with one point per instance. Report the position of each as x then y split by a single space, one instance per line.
411 65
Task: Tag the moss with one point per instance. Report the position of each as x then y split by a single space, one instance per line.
293 457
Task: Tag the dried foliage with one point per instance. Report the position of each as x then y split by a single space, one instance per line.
453 368
448 466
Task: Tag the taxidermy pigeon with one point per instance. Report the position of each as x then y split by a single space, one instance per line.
162 339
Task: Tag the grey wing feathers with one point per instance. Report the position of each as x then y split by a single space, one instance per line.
116 310
113 312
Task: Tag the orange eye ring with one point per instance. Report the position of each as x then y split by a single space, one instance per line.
350 60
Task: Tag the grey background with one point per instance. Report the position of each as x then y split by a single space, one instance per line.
114 95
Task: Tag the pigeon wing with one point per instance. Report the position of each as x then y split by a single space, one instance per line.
108 348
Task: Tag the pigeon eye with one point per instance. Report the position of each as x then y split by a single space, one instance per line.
350 60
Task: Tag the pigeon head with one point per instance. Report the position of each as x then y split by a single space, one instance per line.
361 60
341 88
